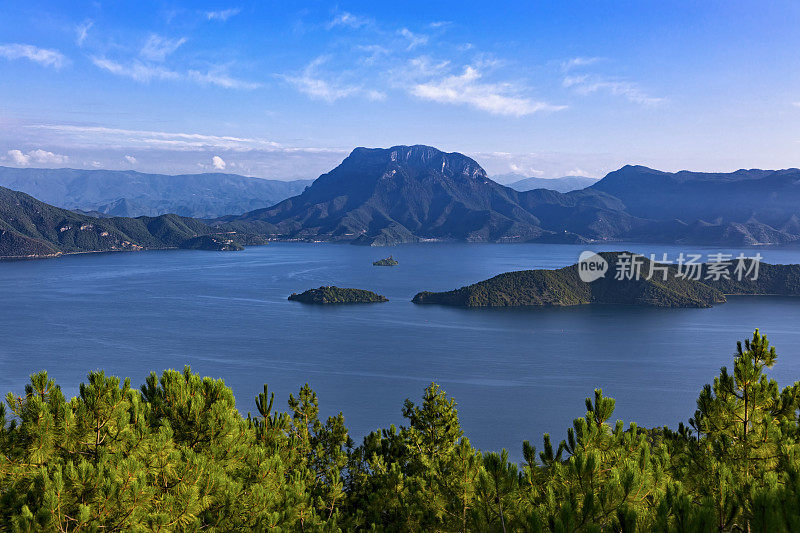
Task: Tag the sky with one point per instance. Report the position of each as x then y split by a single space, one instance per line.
286 90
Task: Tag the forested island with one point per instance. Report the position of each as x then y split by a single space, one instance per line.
337 295
564 287
387 261
178 455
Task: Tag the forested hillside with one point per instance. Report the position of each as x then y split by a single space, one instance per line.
178 455
30 228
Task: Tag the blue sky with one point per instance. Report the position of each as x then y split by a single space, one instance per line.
286 90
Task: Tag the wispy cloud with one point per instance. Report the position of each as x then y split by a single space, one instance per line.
348 20
41 157
576 62
82 31
135 70
224 14
221 79
311 82
43 56
468 89
157 48
130 159
796 104
146 72
119 138
587 84
414 39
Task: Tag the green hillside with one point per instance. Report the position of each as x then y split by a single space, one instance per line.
30 228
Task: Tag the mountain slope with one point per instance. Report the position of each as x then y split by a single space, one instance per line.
411 193
563 184
130 193
31 228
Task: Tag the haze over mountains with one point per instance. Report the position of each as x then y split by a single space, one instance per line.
418 193
563 184
127 193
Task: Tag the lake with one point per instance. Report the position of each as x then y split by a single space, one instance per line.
514 373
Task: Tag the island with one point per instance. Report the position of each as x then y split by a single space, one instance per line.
336 295
564 287
386 262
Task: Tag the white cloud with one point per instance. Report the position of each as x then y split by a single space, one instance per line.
130 159
467 89
576 62
423 67
796 104
414 39
221 79
311 83
146 72
526 170
43 56
95 164
348 20
42 157
224 14
18 158
157 48
374 95
374 51
136 70
586 84
100 137
218 163
82 31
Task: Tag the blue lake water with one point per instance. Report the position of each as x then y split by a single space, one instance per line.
514 373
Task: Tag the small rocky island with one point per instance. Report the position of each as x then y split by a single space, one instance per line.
563 287
336 295
386 262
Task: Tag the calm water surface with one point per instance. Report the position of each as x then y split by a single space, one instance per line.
514 373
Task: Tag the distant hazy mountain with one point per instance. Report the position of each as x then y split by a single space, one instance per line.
766 196
129 193
30 228
565 184
412 193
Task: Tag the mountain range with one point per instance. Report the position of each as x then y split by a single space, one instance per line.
417 193
126 193
563 184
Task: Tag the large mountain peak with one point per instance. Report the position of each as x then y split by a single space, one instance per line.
417 158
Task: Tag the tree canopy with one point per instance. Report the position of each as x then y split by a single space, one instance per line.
177 455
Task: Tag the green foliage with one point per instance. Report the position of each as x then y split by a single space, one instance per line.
386 261
337 295
654 287
177 455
